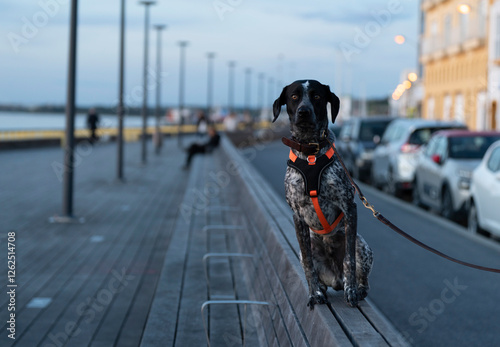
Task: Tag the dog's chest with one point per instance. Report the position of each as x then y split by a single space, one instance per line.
301 204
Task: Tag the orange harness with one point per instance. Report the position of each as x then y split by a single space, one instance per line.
311 170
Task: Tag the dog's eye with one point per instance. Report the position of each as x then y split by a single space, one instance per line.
295 97
317 97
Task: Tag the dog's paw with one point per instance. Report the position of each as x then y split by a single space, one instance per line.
351 296
317 298
362 292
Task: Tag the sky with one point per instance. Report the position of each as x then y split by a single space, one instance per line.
348 45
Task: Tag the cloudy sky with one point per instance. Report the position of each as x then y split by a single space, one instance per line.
346 44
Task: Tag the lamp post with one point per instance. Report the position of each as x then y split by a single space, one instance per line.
271 96
67 208
230 97
119 140
145 79
260 100
158 135
248 84
210 83
182 45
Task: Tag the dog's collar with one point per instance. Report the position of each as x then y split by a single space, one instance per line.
311 148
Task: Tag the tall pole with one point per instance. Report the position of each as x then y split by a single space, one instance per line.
248 85
230 98
260 100
158 135
145 83
271 97
67 213
119 140
210 83
182 67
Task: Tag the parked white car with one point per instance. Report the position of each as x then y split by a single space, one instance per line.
484 206
444 168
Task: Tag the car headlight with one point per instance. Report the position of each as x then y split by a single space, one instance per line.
464 178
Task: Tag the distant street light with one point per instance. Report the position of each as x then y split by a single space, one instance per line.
464 8
210 78
182 45
158 135
248 85
145 78
119 140
412 77
230 98
260 100
399 39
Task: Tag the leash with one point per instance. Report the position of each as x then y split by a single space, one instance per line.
387 222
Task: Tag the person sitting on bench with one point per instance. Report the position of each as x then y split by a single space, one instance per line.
207 147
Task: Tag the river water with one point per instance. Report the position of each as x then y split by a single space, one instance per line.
57 121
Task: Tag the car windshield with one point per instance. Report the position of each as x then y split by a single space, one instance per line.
369 130
422 136
470 147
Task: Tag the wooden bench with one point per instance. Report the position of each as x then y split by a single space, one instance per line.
264 229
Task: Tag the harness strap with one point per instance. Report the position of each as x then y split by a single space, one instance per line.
327 227
313 193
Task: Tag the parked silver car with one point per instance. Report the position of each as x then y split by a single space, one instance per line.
444 168
394 159
485 194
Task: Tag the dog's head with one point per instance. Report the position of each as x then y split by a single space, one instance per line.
306 102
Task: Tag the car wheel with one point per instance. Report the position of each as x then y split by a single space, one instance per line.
416 199
390 186
473 223
447 205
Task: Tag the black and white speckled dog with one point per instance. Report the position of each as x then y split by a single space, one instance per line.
332 255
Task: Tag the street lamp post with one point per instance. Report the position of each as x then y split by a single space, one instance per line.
182 45
248 84
69 159
210 83
119 140
158 135
230 98
145 79
261 93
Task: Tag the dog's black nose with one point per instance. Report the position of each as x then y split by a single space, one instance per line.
304 111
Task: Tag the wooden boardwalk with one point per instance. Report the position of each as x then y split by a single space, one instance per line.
87 284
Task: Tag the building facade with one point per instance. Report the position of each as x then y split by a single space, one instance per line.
454 57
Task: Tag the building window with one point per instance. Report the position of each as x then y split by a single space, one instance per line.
447 107
430 108
497 37
464 26
447 30
459 108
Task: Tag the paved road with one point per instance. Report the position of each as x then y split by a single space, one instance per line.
432 301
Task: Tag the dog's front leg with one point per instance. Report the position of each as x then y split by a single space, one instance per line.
350 286
316 296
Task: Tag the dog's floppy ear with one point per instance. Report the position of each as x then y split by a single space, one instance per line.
334 103
278 103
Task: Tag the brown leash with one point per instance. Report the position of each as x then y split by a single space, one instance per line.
384 220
